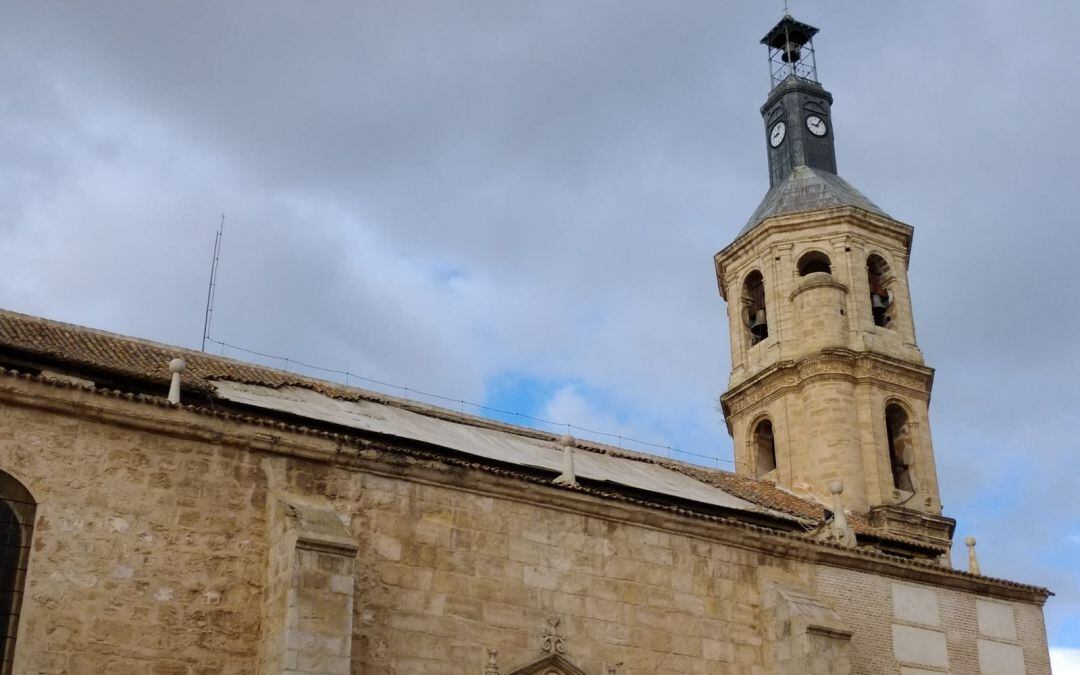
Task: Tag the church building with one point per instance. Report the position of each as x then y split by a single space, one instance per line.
169 512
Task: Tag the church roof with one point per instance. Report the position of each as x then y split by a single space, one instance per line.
806 189
118 362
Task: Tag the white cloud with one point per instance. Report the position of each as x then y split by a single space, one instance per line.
1065 660
569 405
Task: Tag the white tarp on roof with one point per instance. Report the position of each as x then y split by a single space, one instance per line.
496 444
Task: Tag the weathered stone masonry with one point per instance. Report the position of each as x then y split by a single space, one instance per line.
155 553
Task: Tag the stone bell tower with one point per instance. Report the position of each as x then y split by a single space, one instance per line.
827 381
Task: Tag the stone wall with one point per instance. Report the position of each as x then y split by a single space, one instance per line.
148 551
446 573
912 628
169 542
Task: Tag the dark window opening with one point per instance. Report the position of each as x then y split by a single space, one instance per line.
753 302
17 509
814 261
765 446
900 447
881 295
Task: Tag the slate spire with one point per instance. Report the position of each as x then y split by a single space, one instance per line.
799 134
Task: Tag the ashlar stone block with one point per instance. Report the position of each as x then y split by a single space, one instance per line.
998 658
996 619
308 603
920 646
915 604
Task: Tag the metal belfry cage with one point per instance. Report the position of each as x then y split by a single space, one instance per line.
791 51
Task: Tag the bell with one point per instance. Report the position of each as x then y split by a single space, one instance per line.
759 327
880 300
879 304
792 52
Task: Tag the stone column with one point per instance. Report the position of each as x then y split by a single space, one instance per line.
820 302
308 596
804 635
829 447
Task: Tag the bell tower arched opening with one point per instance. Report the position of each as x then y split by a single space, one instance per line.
754 314
764 447
814 261
898 429
881 295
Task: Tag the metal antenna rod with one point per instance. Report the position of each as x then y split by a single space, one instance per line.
210 292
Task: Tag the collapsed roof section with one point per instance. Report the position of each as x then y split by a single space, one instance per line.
111 361
500 445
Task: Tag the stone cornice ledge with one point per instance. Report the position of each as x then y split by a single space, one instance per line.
783 376
852 215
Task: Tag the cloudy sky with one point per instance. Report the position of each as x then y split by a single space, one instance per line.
516 204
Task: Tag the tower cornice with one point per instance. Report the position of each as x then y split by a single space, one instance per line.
836 364
794 222
794 84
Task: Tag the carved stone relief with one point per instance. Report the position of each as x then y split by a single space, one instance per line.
550 639
492 666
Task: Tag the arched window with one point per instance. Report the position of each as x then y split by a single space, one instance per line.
814 261
901 448
765 447
16 526
881 294
753 302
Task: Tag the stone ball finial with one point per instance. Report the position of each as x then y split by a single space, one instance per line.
836 487
177 366
973 560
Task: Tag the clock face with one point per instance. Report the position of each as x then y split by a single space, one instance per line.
816 125
776 136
